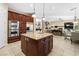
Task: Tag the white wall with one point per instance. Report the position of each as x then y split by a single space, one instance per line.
3 24
60 22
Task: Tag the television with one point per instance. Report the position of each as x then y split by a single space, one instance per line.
68 25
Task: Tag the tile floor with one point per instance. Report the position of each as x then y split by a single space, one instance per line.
61 47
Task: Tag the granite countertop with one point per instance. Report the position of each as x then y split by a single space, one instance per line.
36 36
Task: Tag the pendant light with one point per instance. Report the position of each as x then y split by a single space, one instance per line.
33 14
43 18
75 17
34 19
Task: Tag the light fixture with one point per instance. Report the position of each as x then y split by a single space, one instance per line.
74 9
43 18
33 14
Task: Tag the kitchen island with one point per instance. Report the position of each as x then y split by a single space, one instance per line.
36 44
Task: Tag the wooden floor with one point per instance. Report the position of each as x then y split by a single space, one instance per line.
61 47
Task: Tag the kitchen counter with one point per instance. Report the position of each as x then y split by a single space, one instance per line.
36 36
36 44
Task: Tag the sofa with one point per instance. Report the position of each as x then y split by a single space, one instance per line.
75 36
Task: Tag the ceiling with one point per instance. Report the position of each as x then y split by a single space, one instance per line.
53 11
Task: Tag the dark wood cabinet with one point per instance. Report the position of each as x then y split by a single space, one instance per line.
51 44
31 19
9 15
46 44
24 44
13 39
12 16
31 47
23 19
28 46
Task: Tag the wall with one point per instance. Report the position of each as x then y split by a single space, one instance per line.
3 24
59 22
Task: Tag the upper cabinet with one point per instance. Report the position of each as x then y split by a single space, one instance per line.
29 19
9 15
12 16
20 17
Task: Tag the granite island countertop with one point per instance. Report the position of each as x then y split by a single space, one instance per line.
36 35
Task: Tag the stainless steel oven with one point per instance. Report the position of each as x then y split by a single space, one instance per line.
13 28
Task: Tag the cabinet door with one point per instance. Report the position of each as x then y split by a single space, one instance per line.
9 15
32 47
22 24
46 46
24 44
22 27
51 42
29 19
12 16
16 16
41 47
13 39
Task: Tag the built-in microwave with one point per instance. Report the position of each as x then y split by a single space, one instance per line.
13 28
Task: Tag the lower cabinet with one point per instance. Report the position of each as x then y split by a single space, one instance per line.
23 44
41 47
45 45
28 46
13 39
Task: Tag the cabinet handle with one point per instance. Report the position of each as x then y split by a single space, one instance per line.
27 39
